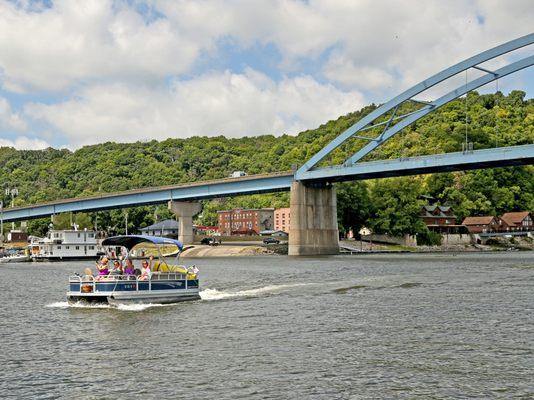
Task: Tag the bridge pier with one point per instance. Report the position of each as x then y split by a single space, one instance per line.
313 228
185 211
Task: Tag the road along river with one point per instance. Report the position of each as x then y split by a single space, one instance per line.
374 326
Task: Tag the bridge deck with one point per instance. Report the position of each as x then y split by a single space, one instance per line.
250 184
279 182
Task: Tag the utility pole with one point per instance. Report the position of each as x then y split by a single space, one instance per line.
126 221
12 192
1 222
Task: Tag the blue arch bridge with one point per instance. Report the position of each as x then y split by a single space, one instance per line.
313 201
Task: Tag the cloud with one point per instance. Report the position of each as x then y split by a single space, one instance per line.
294 26
10 120
378 45
344 71
131 70
375 42
73 43
217 103
24 143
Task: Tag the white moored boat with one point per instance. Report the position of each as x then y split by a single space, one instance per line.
165 283
14 258
68 244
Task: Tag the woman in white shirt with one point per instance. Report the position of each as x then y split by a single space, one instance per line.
146 270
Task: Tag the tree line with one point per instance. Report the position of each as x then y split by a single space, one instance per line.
386 205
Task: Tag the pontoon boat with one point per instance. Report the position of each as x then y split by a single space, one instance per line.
167 283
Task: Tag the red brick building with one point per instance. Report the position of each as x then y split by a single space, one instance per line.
245 222
282 217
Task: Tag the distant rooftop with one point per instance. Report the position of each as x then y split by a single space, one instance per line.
514 218
167 224
246 209
437 211
485 220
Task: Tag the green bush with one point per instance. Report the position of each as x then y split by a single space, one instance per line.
429 238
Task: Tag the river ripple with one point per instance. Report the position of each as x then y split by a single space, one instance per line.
345 327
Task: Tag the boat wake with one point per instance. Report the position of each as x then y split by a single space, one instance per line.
121 307
206 294
214 294
140 307
64 304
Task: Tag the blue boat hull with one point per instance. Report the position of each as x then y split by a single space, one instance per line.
103 299
134 292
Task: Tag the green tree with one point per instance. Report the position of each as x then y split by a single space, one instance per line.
397 206
83 221
493 120
62 221
354 206
38 227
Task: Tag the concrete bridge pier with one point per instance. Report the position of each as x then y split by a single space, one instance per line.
313 227
185 211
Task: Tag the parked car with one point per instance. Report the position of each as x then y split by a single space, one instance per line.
210 241
270 240
238 174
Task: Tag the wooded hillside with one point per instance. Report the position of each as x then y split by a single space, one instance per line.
386 205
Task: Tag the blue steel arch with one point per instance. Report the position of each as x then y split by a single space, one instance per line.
364 124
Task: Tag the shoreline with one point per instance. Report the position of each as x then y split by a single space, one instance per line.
200 251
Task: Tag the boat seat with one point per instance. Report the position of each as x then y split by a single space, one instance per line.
164 267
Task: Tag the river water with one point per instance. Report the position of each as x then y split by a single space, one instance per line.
345 327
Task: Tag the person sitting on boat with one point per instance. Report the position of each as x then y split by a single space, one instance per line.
129 269
117 268
193 270
146 270
102 267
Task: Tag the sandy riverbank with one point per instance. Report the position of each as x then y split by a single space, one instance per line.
224 251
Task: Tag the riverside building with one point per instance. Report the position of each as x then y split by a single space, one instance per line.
245 221
282 217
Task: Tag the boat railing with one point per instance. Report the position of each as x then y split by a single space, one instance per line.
107 278
167 276
88 283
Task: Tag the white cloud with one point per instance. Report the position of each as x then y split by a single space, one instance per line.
375 41
10 120
72 43
24 143
127 76
344 71
402 45
218 103
77 42
295 27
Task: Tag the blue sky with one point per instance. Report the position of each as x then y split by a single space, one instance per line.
78 73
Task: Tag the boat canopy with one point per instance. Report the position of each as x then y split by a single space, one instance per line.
129 241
